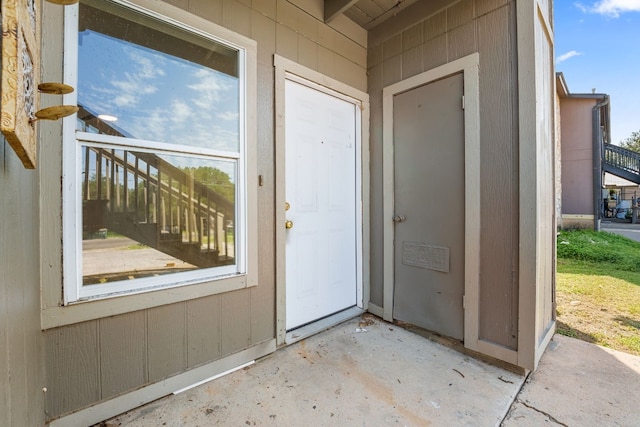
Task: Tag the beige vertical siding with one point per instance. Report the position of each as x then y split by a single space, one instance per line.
123 362
499 179
73 369
577 155
409 44
93 361
21 348
558 159
537 225
546 230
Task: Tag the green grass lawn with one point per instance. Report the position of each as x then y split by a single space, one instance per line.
598 289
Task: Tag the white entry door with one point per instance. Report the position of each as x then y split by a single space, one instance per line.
321 178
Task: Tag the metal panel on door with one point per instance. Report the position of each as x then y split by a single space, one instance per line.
429 196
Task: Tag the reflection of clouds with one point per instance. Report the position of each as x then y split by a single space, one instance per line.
181 112
158 97
147 68
208 88
228 115
136 83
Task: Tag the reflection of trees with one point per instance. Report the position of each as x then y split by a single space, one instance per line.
214 179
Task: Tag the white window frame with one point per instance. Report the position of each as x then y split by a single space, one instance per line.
202 282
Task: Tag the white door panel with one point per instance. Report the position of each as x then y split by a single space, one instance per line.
321 252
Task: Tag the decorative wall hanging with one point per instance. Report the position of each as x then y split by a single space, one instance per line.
20 72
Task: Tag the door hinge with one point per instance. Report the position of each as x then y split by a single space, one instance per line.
464 302
463 102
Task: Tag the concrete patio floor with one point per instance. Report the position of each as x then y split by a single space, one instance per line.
367 372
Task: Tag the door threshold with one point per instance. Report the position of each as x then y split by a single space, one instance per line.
320 325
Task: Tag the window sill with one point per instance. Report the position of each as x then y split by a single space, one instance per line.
53 317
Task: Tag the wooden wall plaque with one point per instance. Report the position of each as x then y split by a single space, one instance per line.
20 74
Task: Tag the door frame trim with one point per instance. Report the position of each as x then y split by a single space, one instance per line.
469 66
286 69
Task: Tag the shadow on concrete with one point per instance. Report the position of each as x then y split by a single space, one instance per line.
579 384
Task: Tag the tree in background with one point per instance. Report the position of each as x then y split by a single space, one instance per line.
632 143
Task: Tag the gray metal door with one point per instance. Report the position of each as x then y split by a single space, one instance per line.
428 132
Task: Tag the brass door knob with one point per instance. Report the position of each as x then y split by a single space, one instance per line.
288 224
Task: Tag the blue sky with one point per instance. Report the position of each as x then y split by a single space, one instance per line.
597 45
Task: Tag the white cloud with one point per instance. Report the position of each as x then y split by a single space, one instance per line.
567 55
228 115
209 88
181 112
612 8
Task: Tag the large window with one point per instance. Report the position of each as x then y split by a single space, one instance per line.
155 171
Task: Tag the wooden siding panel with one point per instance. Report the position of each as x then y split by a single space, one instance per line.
326 61
287 14
307 53
307 26
73 373
267 8
345 47
123 350
351 73
263 320
545 313
353 31
353 51
5 385
5 324
21 362
392 47
412 37
461 41
207 9
236 17
263 29
182 4
286 42
327 37
166 337
486 6
374 56
236 321
435 26
417 12
263 311
460 13
313 7
412 62
203 330
499 202
50 189
392 70
375 162
435 52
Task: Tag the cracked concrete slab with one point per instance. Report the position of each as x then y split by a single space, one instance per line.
579 384
366 375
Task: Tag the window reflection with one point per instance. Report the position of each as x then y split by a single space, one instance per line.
145 214
155 82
